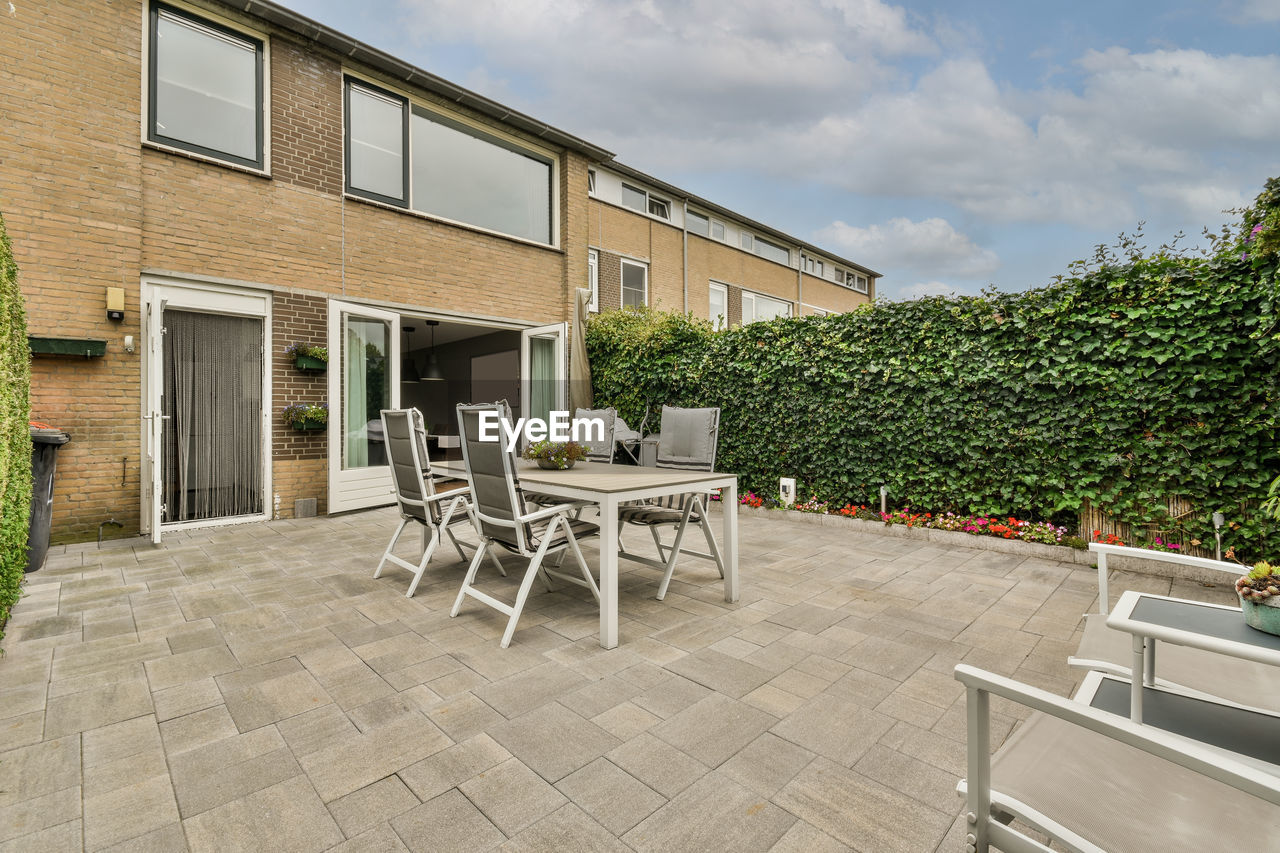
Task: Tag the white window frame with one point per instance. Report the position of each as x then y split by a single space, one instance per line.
746 241
234 29
717 224
719 321
756 243
813 266
650 200
593 280
749 297
622 283
857 282
591 181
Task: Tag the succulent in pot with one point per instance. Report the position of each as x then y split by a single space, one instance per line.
1259 593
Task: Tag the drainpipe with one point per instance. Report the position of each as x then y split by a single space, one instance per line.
800 285
684 236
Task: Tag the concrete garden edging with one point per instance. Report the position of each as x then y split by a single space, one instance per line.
956 539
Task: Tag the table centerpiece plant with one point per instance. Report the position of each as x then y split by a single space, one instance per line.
555 455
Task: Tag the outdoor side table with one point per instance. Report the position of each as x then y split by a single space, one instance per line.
1212 627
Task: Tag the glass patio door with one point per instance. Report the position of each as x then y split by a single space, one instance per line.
364 379
543 371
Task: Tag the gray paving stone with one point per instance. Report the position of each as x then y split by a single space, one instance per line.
286 816
553 740
802 837
190 666
446 823
270 692
521 693
41 768
713 729
766 764
512 796
450 767
834 727
823 794
614 798
51 839
360 760
39 811
657 764
226 769
720 672
166 839
97 707
715 813
568 830
380 839
371 806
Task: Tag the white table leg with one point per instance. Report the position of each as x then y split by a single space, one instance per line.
1136 675
609 572
729 502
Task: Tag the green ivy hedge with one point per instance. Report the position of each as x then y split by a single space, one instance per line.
15 441
1136 380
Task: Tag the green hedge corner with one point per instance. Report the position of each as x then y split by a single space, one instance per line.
15 441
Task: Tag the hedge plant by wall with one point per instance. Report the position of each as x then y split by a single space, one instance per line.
1143 377
15 441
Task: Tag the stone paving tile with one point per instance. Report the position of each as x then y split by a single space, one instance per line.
449 822
286 816
715 813
228 674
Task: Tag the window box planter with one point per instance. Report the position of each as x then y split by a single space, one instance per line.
309 426
306 362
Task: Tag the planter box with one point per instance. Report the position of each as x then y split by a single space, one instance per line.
306 362
308 426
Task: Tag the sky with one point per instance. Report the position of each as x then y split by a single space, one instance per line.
947 144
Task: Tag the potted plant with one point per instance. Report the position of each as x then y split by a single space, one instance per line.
308 356
307 417
555 455
1259 593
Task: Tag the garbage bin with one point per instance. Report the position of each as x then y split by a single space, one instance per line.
45 441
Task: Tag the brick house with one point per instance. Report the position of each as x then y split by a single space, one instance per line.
191 188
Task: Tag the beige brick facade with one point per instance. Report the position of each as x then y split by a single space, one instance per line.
90 205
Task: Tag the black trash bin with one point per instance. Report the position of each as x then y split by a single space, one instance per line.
44 458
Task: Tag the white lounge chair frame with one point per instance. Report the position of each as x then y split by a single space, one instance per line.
987 828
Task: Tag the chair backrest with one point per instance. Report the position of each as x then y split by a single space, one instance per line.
491 472
406 443
601 450
688 438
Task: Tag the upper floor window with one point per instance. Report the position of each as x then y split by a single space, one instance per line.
772 251
591 181
412 157
635 284
857 281
704 225
744 240
813 266
205 88
638 199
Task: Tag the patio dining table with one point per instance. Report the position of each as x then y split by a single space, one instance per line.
609 486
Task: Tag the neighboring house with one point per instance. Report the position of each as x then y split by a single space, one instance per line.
193 187
656 244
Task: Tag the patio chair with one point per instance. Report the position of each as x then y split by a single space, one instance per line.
503 520
1093 781
1107 650
687 441
437 512
627 439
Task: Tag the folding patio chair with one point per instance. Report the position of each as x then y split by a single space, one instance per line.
687 441
627 439
437 512
502 519
1094 781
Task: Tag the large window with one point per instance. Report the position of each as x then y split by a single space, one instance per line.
205 90
719 309
757 307
857 281
635 284
433 164
772 251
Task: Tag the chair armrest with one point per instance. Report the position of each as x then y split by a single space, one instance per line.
558 509
452 493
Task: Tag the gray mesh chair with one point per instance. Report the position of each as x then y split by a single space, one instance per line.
503 520
686 442
438 513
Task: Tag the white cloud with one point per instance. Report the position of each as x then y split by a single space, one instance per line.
1259 11
924 288
930 247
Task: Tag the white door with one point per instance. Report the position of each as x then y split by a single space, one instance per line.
206 422
364 378
543 371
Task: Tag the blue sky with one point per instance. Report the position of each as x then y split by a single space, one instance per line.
948 145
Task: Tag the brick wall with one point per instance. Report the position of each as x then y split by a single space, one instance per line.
609 278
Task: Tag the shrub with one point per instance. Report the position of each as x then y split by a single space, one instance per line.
1133 378
15 440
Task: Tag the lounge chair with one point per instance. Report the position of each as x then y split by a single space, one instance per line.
1094 781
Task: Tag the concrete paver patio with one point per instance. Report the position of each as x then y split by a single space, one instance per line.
253 687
